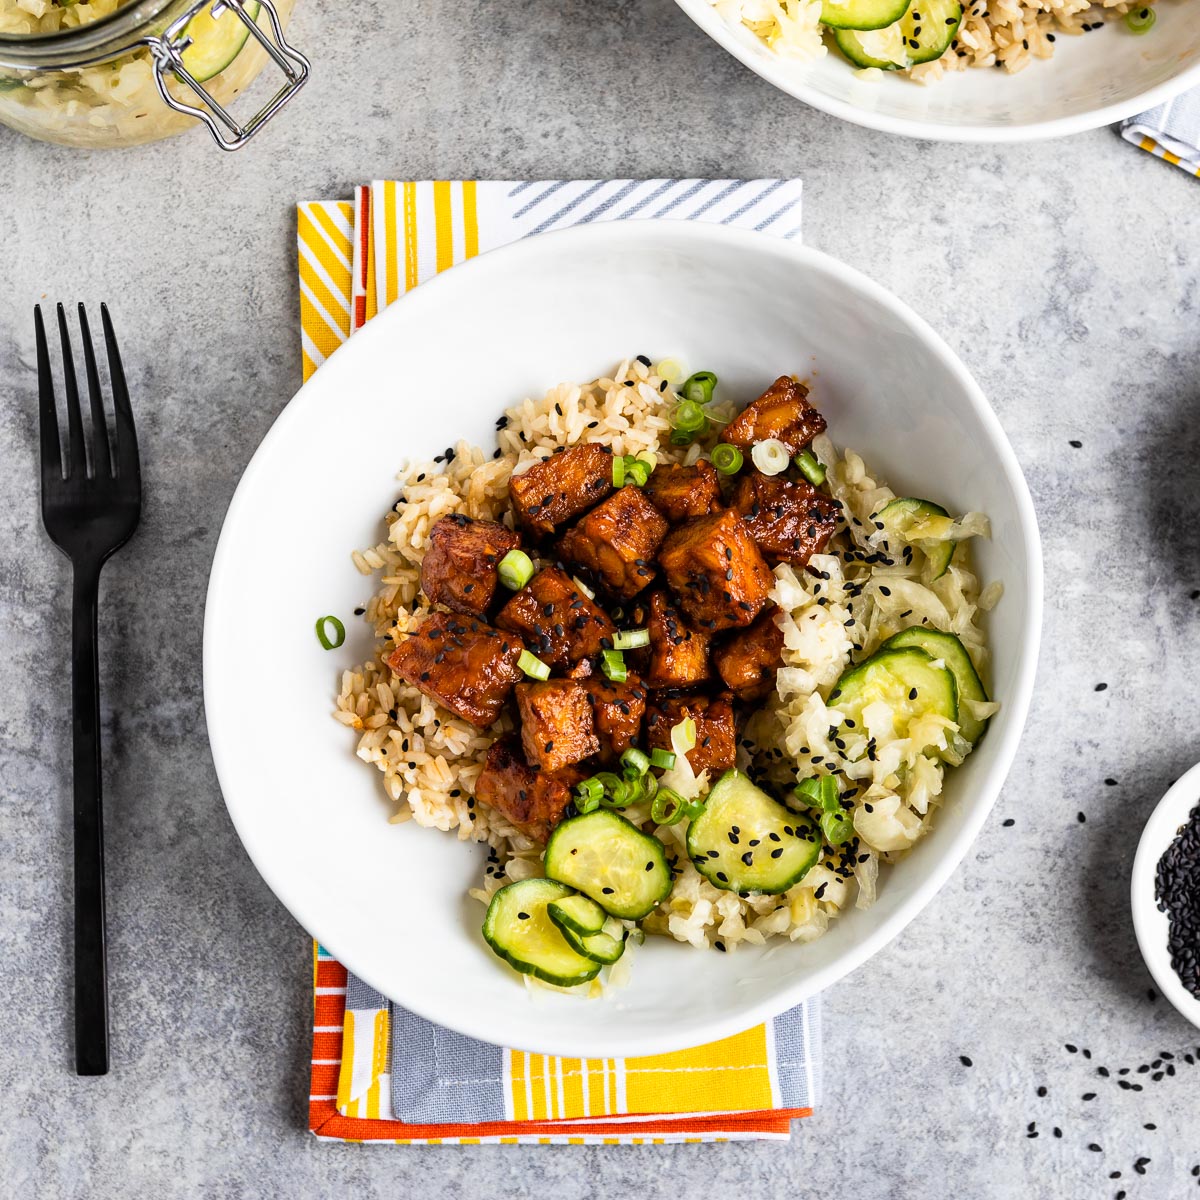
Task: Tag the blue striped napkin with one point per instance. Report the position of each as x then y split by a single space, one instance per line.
1171 131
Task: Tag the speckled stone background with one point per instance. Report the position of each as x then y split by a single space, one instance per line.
1066 274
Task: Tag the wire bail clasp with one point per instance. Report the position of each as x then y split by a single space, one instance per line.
167 52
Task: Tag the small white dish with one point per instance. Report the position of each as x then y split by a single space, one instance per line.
1149 923
390 901
1093 80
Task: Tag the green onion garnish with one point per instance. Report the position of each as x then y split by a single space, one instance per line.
515 570
631 639
770 456
683 736
810 468
663 759
339 632
583 587
588 795
726 458
838 827
820 793
668 807
637 471
1140 20
688 417
617 791
612 663
533 666
618 471
699 387
635 762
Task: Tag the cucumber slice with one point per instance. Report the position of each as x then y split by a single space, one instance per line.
216 41
911 520
921 35
904 679
604 947
519 930
862 14
608 858
746 842
577 914
954 654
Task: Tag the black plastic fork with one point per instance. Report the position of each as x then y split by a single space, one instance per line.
91 501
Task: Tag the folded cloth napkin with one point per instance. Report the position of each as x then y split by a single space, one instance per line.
380 1073
1170 131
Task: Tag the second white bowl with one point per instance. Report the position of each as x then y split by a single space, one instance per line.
1093 80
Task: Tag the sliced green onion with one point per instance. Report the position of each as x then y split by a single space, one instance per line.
668 807
591 787
838 827
688 417
647 786
533 666
583 587
617 792
683 736
699 387
631 639
612 663
618 471
339 632
810 468
663 759
1140 20
588 795
515 570
637 471
679 438
821 793
669 370
635 762
726 458
808 791
770 456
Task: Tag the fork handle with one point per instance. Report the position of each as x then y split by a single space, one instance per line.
91 972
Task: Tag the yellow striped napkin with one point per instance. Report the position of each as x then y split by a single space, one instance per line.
378 1072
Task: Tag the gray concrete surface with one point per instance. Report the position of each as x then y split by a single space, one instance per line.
1066 275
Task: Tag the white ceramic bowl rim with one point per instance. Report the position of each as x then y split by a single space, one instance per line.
779 71
680 237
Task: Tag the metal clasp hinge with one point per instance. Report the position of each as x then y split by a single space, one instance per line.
228 133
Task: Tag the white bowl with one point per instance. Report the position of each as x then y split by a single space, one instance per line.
391 900
1095 79
1151 925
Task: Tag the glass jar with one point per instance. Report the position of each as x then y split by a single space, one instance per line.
122 72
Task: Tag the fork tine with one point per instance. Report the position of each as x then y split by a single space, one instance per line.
101 467
76 452
48 419
126 431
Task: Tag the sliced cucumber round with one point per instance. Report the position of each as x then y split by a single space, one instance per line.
862 14
608 858
917 521
747 842
578 914
519 930
905 679
954 654
216 41
921 35
604 947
